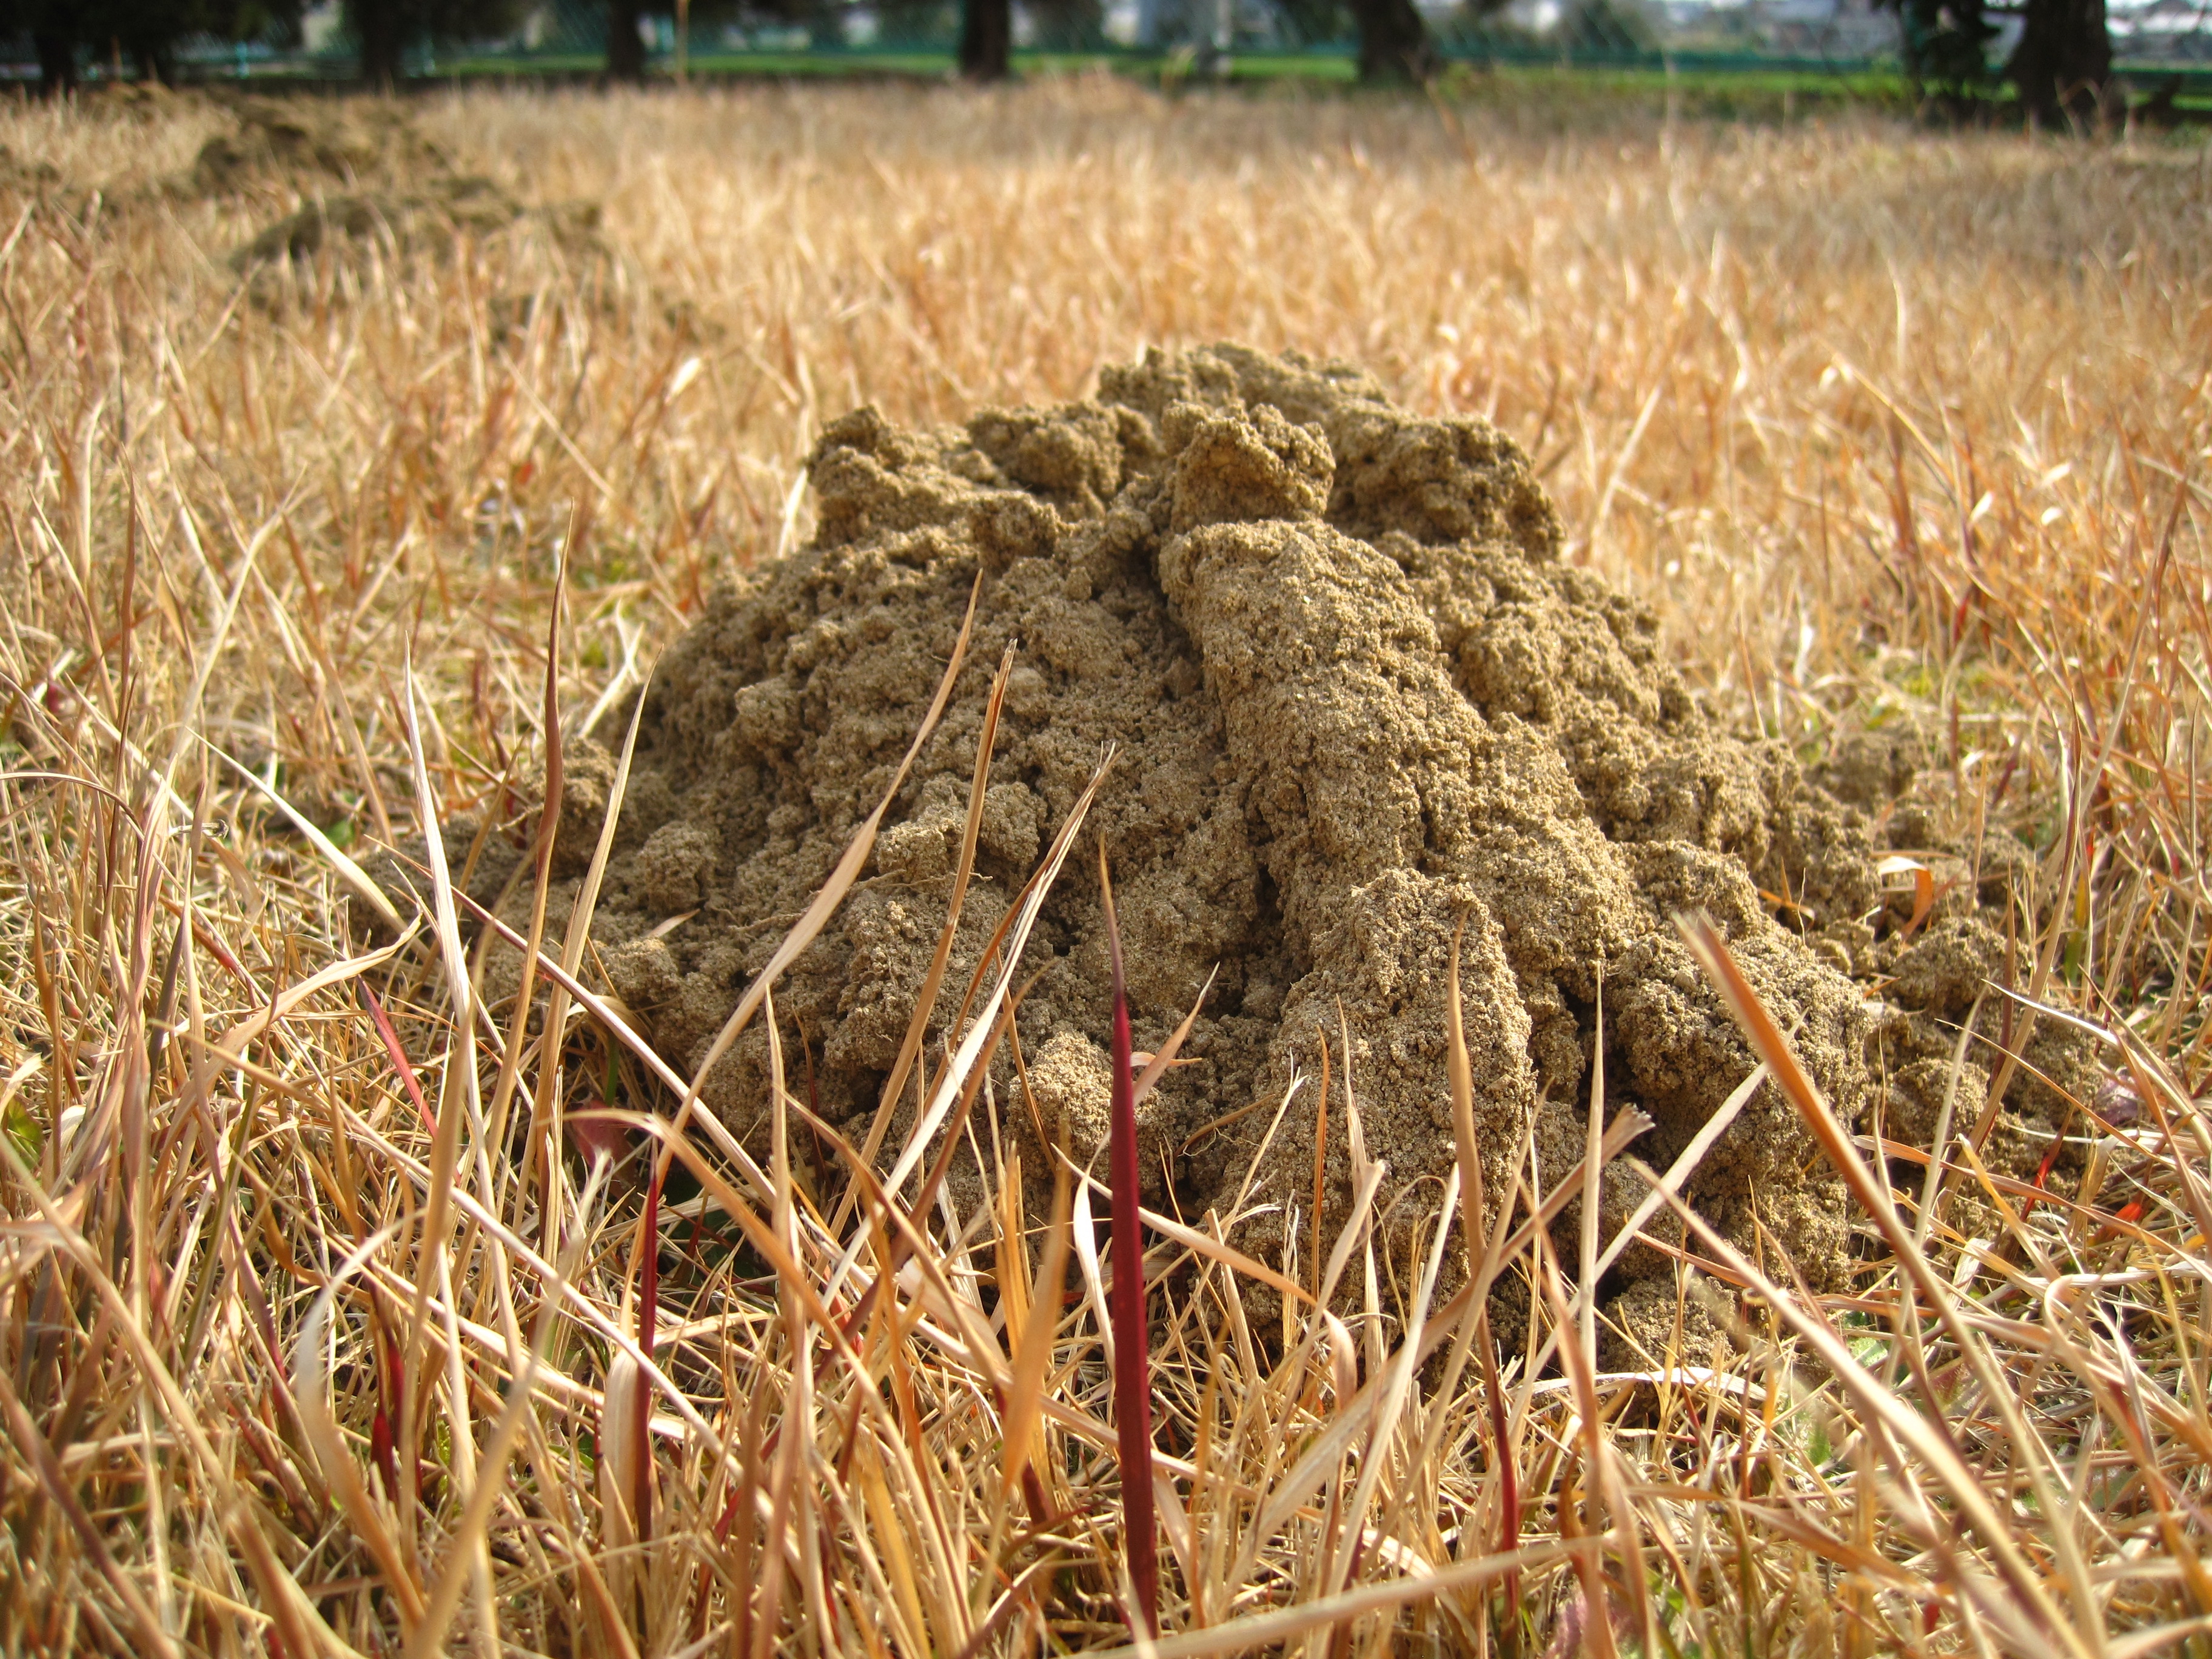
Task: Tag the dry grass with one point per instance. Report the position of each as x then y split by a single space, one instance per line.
1889 427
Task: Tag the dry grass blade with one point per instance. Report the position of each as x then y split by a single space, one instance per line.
1684 1166
1459 1074
351 873
1204 1245
1033 1358
924 1002
461 1106
1264 1630
310 1387
1593 1177
1157 1066
1596 1593
982 1033
804 931
307 1343
546 1106
2085 1634
1928 1448
541 865
56 1485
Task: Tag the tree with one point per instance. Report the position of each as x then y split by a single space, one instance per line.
1394 42
57 48
148 30
625 45
145 31
385 28
381 31
1394 45
987 39
1942 43
53 26
2063 66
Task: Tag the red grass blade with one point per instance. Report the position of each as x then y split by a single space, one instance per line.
596 1133
648 1314
399 1055
382 1441
1132 1393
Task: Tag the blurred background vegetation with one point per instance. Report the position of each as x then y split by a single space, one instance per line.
2053 63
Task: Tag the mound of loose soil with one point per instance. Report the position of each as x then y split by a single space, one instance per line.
398 188
448 205
1356 698
358 143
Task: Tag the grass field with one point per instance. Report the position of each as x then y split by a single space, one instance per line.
1895 432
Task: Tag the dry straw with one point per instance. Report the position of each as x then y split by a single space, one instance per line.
342 1305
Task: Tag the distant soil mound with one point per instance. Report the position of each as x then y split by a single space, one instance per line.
1356 698
359 142
363 174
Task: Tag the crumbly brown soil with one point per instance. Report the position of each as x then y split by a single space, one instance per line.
366 174
1357 699
360 143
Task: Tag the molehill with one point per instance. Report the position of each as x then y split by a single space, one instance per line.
1356 698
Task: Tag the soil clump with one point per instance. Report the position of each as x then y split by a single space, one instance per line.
360 143
363 174
1359 701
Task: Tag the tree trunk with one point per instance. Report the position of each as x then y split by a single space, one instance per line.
625 46
987 39
1943 43
57 50
1394 42
2063 63
156 59
383 34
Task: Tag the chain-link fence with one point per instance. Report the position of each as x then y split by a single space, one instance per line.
2159 45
